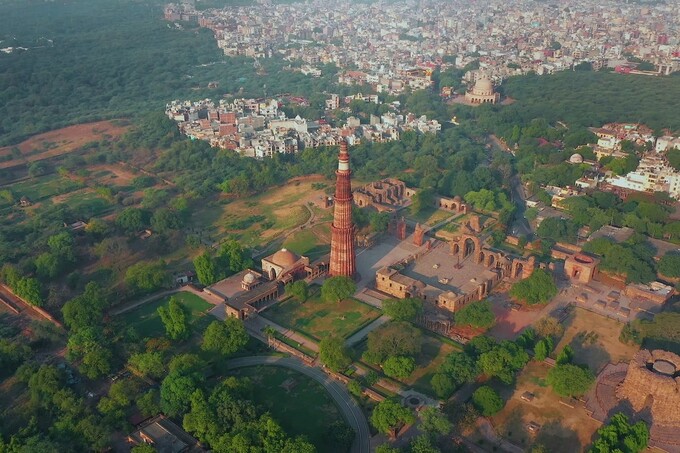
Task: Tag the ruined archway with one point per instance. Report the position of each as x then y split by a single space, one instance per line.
468 247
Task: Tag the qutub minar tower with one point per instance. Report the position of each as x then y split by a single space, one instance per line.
343 230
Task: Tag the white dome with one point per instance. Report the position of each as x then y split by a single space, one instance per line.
249 278
576 159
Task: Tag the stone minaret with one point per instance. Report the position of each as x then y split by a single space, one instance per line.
343 257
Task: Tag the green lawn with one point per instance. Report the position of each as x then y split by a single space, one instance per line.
318 319
43 187
312 243
304 409
89 203
430 216
147 321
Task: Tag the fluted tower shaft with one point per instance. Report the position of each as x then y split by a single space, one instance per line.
343 230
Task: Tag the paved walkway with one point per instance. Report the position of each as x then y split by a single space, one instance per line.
214 300
349 408
258 324
360 335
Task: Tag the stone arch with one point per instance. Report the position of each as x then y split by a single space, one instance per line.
490 260
468 247
519 269
272 274
481 257
455 248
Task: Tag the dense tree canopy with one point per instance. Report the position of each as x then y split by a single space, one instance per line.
334 354
225 337
539 288
570 380
175 319
403 309
476 314
388 416
487 401
338 288
620 435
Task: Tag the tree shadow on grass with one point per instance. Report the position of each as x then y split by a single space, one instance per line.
558 438
588 351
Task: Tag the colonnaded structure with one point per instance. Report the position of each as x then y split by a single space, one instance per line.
451 275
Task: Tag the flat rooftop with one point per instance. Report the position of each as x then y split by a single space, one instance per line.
437 270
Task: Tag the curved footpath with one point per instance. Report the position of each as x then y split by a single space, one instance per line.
349 408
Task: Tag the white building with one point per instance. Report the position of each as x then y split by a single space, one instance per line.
652 175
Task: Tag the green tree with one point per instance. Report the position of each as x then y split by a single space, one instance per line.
62 246
503 361
206 269
393 339
669 264
570 380
403 309
87 309
337 288
334 354
379 221
487 401
148 364
174 318
143 448
399 367
176 391
389 416
434 422
421 200
340 435
423 444
566 355
543 349
149 403
225 337
131 220
549 327
476 314
299 290
620 435
539 288
47 266
147 277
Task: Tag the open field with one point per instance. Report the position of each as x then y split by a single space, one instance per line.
302 406
148 322
43 187
595 340
257 220
318 319
429 216
88 202
313 242
563 429
60 141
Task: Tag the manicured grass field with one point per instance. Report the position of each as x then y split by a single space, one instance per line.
319 319
303 409
147 321
312 243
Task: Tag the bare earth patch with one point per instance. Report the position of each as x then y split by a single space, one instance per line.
61 141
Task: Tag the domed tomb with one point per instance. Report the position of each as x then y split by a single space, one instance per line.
284 258
482 92
576 159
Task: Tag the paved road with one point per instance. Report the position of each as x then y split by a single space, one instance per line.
347 405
